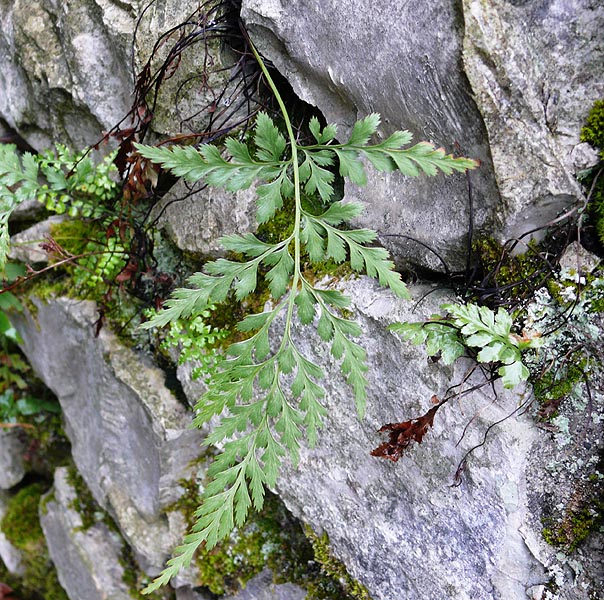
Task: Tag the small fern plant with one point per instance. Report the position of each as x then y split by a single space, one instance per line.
63 181
486 332
267 392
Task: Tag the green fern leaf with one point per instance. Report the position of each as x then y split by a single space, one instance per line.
323 137
269 141
351 166
363 130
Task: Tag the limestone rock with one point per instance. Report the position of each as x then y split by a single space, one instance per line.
201 90
535 70
12 466
68 75
87 561
9 555
534 73
584 156
403 61
187 593
195 221
128 433
577 259
65 75
260 587
401 528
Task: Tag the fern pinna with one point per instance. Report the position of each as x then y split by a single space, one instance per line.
266 391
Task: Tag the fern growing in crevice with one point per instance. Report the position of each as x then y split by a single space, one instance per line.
267 391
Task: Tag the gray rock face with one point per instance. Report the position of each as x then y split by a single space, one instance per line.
128 433
25 245
12 466
191 96
87 561
261 587
195 222
402 60
65 74
67 68
535 69
534 72
400 528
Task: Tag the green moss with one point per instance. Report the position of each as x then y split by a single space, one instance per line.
554 385
593 131
574 528
120 311
21 525
583 514
334 569
74 235
228 566
271 539
84 503
592 179
515 276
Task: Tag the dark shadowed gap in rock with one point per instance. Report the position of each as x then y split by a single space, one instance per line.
8 135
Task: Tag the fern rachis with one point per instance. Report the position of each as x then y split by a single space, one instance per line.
262 417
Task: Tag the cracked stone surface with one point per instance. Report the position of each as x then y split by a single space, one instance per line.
414 79
129 435
535 70
87 560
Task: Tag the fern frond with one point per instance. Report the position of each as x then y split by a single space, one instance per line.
267 393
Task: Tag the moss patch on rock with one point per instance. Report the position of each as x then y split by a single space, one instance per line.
21 525
593 130
583 514
333 569
593 179
273 539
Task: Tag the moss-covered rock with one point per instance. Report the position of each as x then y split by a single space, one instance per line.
21 525
271 539
593 131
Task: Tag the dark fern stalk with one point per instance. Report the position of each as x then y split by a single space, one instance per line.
262 421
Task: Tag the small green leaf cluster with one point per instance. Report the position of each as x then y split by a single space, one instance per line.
74 184
487 333
197 343
266 391
65 182
103 260
99 258
13 367
11 409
